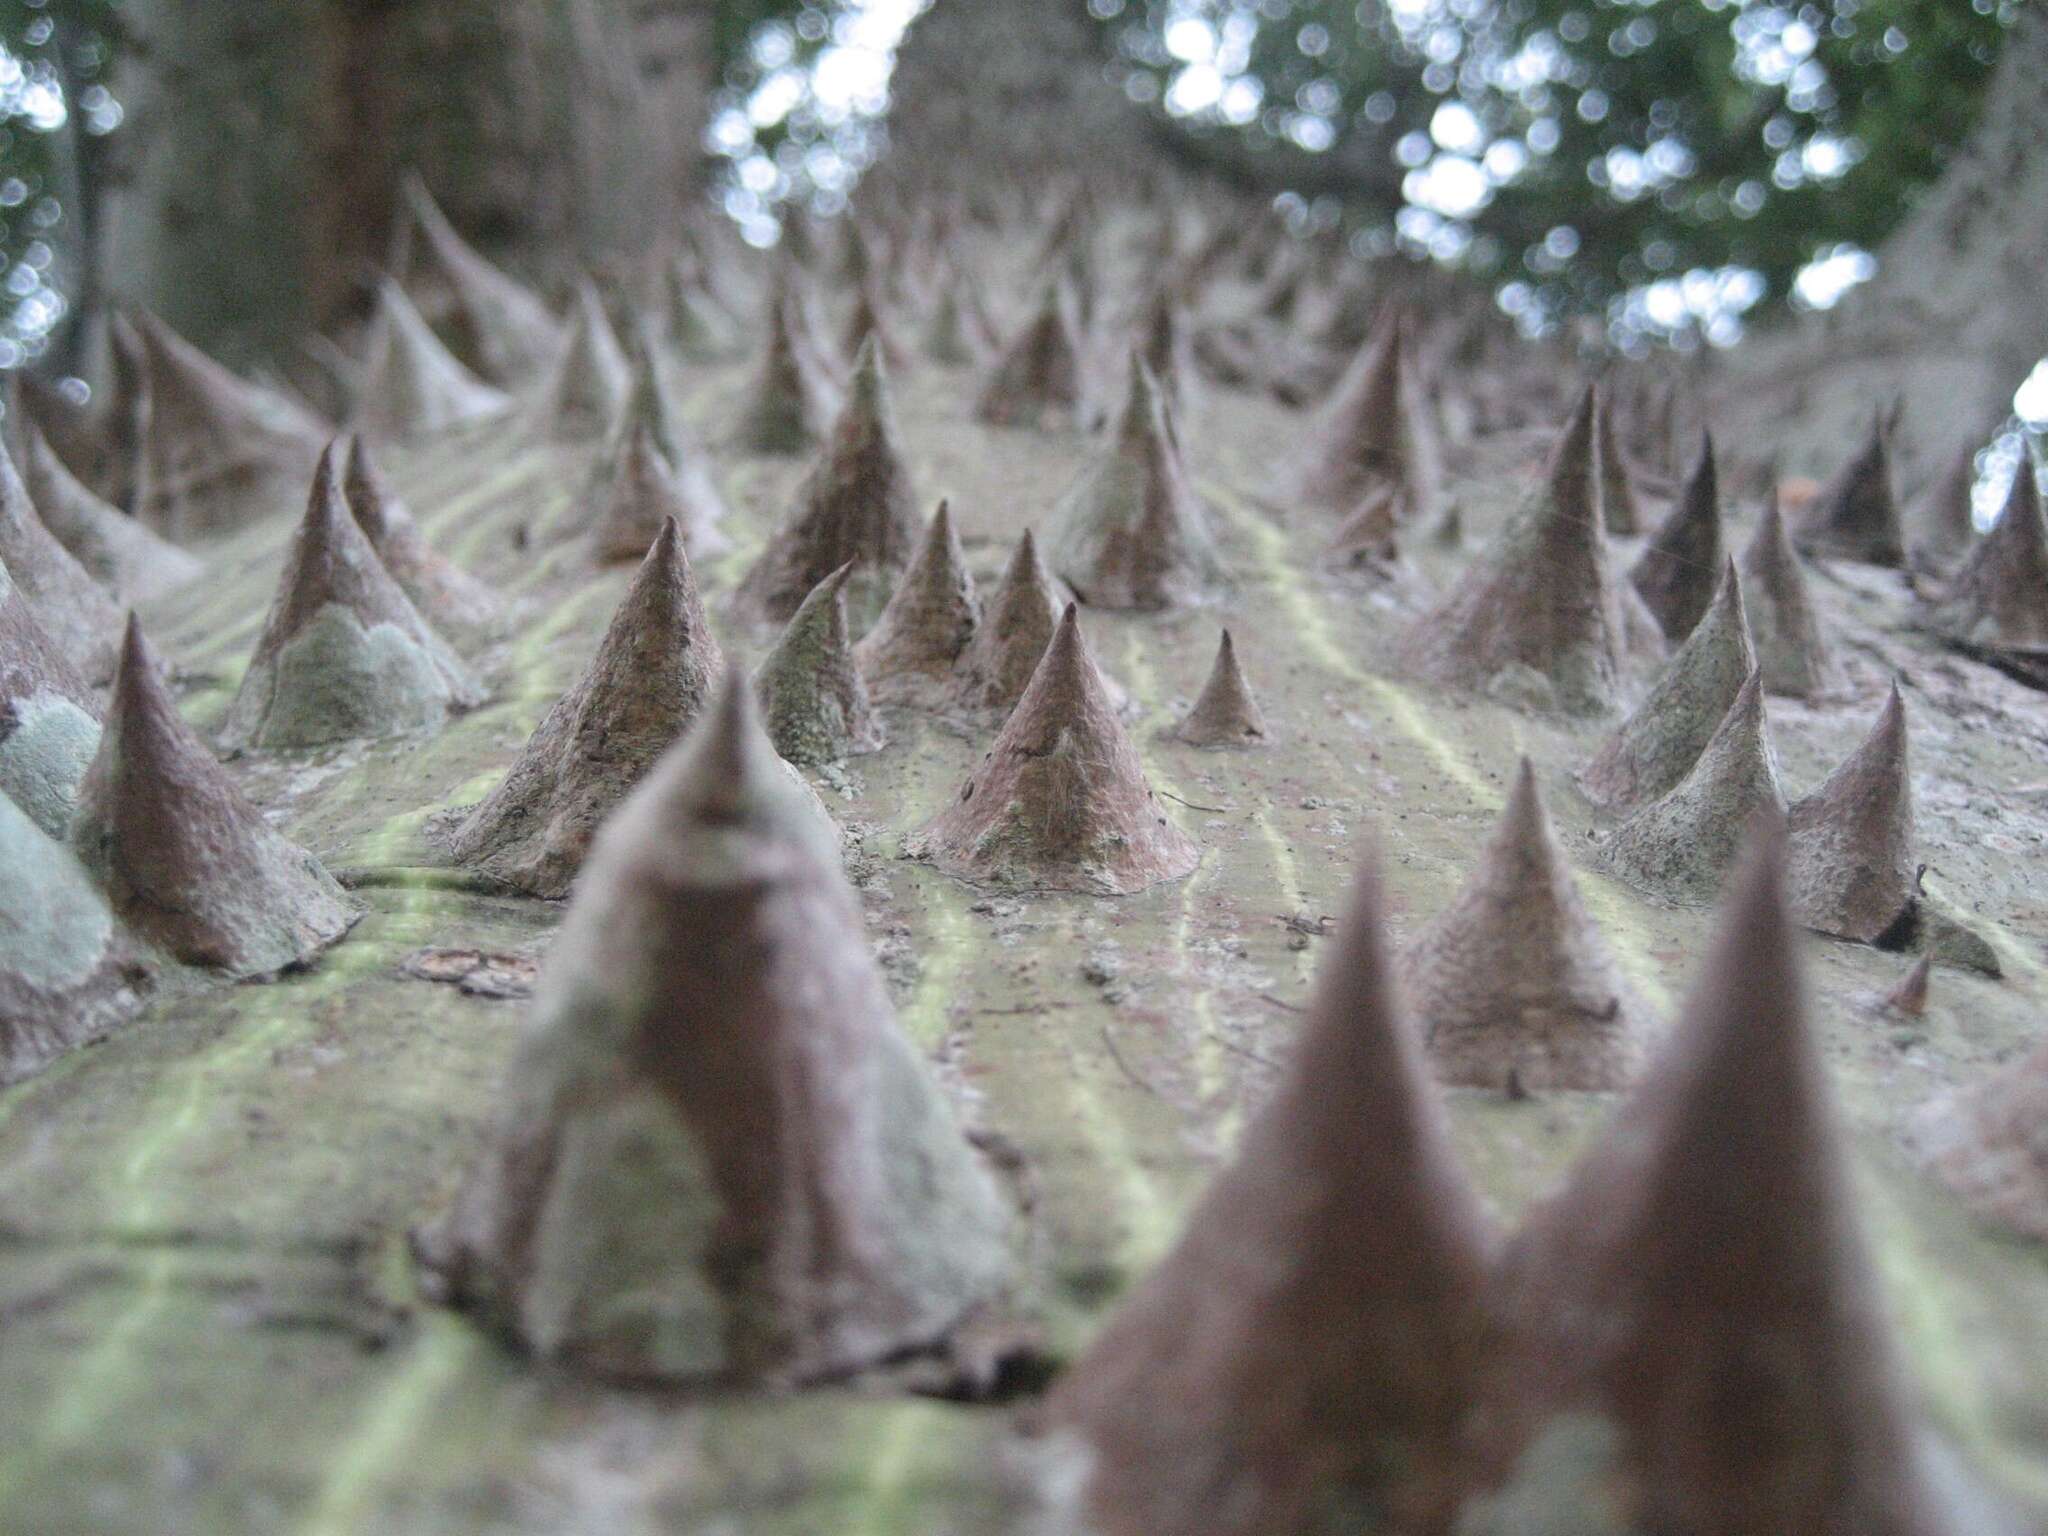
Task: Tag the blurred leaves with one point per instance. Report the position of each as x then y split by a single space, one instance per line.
1666 163
1603 145
56 64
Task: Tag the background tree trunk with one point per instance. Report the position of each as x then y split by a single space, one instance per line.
1951 324
270 141
990 94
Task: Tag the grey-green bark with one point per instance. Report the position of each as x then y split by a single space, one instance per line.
990 95
268 144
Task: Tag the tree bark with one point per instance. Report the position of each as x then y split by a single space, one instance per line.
271 141
1951 324
992 95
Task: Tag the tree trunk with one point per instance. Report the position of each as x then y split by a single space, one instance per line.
1951 324
83 175
210 230
993 95
271 141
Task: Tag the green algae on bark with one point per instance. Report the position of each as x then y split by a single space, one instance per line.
49 718
717 1156
343 653
69 971
185 860
814 700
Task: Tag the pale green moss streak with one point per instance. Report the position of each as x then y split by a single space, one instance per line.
342 965
533 666
1291 884
216 613
1147 1221
390 1427
884 1466
1151 1221
1212 1076
1143 1216
472 542
1937 1311
58 1071
1284 864
1311 629
387 846
133 1198
442 488
1615 912
948 940
1408 717
98 1372
1312 632
76 1408
725 571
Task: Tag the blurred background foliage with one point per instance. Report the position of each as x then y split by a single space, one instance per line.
57 107
1666 166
